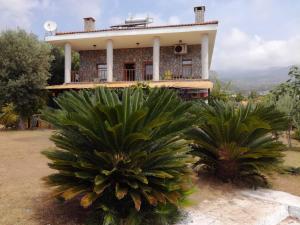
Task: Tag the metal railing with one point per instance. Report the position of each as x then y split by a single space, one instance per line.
135 75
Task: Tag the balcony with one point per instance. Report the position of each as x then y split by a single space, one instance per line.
139 75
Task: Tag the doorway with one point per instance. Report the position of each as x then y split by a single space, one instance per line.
148 71
129 71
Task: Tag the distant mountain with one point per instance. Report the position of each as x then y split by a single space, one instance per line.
258 80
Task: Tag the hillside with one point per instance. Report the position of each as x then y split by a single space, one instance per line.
258 80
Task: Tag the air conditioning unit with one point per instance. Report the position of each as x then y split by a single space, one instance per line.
180 49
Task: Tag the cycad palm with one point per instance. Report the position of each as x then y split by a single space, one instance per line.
121 154
234 143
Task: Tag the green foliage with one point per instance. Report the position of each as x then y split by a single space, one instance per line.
239 97
57 68
8 117
220 91
292 170
234 142
125 156
296 134
24 64
253 95
286 97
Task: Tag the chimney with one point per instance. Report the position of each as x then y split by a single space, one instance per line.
89 23
199 14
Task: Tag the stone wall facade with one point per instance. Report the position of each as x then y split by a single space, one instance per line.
169 62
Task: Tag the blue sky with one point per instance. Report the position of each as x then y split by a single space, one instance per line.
253 34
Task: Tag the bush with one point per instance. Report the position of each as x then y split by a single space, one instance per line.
296 134
8 117
234 143
121 155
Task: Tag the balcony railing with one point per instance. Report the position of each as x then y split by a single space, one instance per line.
134 75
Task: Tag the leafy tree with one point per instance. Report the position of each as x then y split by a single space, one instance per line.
286 97
234 143
239 97
286 104
220 91
57 68
253 95
123 155
8 117
24 64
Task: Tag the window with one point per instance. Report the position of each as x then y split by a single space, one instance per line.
102 72
187 68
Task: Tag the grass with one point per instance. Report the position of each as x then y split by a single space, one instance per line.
287 182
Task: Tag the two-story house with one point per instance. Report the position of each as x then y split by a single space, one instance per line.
175 56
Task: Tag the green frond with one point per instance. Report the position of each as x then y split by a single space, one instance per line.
234 142
121 152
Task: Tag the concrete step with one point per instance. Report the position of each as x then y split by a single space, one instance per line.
290 221
292 202
236 210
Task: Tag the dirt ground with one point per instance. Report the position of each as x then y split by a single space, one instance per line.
24 200
23 197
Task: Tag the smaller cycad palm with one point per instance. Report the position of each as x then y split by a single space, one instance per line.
235 143
122 154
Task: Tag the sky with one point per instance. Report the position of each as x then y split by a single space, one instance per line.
252 34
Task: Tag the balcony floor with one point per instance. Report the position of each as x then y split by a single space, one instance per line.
201 84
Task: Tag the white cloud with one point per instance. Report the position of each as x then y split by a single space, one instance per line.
22 13
83 8
238 50
15 13
173 20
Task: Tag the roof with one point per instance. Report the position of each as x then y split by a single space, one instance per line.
140 28
195 84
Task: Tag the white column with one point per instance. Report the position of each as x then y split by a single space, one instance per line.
68 63
204 57
109 60
156 55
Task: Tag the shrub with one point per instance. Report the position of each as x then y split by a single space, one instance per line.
121 155
8 117
296 135
234 142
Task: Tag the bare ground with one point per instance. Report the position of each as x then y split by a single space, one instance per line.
24 200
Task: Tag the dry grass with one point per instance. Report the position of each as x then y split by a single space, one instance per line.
24 199
286 182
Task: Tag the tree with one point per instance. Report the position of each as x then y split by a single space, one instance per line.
24 64
57 68
286 97
234 143
220 91
122 155
253 95
286 104
8 117
239 97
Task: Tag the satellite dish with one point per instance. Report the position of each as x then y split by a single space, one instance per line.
50 26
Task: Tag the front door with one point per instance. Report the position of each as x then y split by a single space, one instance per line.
129 72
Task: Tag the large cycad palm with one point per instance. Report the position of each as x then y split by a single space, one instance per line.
235 142
123 154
